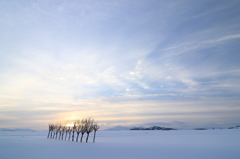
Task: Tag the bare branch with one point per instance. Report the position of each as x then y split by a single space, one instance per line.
95 128
89 126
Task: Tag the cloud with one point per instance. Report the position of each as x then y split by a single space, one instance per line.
134 112
195 44
85 57
221 39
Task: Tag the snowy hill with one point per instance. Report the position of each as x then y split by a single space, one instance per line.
236 127
17 129
117 128
190 144
152 128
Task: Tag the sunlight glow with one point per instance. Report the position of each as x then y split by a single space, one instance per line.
70 125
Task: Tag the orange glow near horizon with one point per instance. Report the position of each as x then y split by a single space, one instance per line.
70 125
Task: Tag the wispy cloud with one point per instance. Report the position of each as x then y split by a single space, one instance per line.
192 45
119 61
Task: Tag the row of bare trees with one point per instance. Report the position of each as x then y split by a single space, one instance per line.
79 127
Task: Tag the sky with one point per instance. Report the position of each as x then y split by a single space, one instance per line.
173 63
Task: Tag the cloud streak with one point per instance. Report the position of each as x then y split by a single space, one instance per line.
114 59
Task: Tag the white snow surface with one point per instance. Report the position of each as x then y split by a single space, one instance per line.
177 144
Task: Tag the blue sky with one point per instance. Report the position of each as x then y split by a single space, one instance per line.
137 62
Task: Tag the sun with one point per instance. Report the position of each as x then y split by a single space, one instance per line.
70 125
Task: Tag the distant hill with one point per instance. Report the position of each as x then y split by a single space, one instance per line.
17 129
236 127
200 128
152 128
116 128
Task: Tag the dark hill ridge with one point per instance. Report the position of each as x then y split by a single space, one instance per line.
236 127
152 128
7 129
116 128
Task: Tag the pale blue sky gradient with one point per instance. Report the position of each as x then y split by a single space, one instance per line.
130 62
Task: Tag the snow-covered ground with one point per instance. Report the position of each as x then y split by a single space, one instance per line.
177 144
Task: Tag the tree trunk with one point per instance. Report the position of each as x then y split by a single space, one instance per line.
87 138
48 134
94 136
69 136
73 136
54 134
60 135
81 137
77 137
66 136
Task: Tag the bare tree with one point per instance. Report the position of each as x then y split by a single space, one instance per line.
60 131
89 126
80 126
64 128
54 130
69 132
73 129
50 129
95 128
58 128
83 128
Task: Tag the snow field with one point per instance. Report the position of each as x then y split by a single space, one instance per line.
179 144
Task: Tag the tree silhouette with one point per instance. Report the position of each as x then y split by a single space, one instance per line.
79 127
89 126
50 129
95 128
84 128
86 125
73 129
63 130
